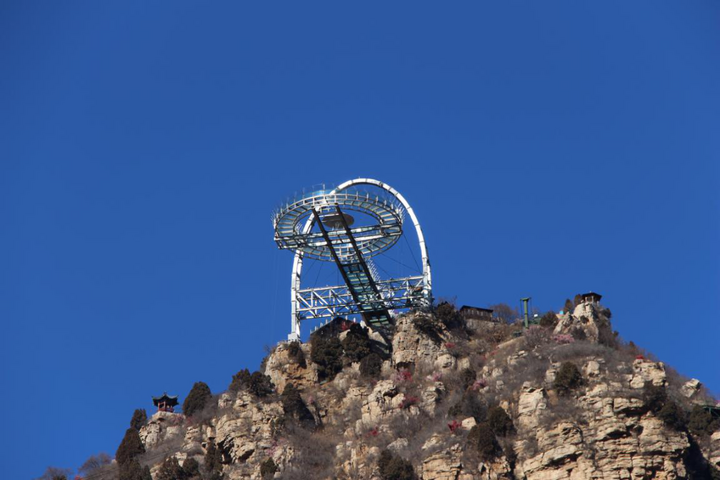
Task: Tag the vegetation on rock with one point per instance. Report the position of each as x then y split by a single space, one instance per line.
138 419
197 399
567 379
130 447
394 467
268 469
326 352
482 439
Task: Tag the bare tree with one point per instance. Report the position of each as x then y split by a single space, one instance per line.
505 312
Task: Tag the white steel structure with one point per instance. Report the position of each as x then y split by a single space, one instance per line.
317 225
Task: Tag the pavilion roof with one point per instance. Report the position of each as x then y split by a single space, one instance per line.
167 399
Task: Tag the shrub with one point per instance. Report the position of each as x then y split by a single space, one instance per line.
260 385
191 467
404 375
505 312
295 408
568 378
408 402
467 378
94 463
356 343
132 470
536 336
256 383
454 426
482 439
196 400
296 354
213 458
371 366
549 320
130 447
654 397
428 326
701 422
672 415
240 380
394 467
171 470
449 316
499 421
569 307
55 473
469 405
577 300
563 338
268 468
326 352
139 419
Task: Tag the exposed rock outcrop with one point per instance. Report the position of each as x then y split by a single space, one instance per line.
429 405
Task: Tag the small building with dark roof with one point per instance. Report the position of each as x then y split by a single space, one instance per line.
476 313
591 297
165 402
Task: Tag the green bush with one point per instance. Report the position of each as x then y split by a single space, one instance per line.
673 416
268 469
326 352
482 439
469 405
139 419
213 458
549 320
701 422
295 408
260 385
130 447
240 380
428 326
499 421
568 378
171 470
371 366
467 378
191 467
448 315
296 354
356 343
394 467
196 400
569 307
132 470
654 397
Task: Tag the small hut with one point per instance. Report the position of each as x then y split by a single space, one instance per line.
165 402
476 313
591 297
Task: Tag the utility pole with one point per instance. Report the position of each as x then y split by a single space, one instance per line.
525 311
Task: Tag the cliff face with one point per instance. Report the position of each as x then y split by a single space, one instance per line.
434 395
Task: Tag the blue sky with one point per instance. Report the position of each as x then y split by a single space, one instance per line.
548 148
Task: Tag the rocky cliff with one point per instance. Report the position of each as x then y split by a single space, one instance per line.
443 397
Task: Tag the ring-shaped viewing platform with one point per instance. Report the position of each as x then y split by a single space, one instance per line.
291 219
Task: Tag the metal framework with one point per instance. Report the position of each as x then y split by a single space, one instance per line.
351 249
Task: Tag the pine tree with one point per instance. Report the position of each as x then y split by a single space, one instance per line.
171 470
130 447
139 419
196 400
213 458
295 408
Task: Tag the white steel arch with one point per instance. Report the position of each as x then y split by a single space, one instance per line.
298 260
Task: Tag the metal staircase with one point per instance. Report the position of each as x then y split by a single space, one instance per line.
357 274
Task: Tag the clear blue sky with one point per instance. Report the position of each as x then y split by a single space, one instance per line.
547 147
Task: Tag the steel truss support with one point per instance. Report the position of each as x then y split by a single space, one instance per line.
333 301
